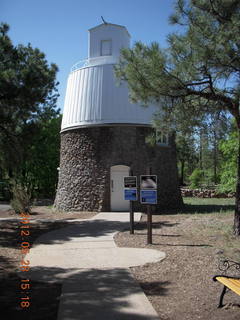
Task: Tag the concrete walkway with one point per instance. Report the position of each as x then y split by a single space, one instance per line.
4 206
97 282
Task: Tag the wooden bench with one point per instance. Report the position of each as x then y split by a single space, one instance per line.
229 282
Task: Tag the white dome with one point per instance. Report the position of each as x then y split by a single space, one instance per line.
93 97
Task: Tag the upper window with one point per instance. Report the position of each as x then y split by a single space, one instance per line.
161 138
106 47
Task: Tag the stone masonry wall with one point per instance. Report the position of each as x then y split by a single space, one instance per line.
87 155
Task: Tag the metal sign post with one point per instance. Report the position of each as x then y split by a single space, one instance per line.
130 193
131 218
149 214
148 195
149 224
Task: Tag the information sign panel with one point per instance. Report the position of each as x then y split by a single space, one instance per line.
148 182
130 182
148 196
130 194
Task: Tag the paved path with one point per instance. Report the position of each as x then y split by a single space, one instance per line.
4 207
97 282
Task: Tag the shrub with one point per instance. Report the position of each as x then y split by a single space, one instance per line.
196 178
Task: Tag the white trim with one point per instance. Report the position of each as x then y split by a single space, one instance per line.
104 124
110 24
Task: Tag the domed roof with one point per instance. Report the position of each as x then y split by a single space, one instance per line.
93 96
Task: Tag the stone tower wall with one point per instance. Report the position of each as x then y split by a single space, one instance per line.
87 155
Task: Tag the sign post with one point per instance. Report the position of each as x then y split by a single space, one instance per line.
131 218
130 193
149 225
148 195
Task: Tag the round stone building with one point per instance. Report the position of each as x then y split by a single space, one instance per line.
104 136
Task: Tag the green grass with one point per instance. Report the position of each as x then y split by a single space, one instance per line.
217 206
209 201
213 220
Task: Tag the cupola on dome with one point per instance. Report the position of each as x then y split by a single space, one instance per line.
93 96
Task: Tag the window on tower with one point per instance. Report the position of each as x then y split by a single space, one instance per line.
106 47
162 138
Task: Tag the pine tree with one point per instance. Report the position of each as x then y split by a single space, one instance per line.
28 95
197 75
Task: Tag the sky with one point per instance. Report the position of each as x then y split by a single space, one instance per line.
59 28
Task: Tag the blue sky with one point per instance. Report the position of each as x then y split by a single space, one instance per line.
59 28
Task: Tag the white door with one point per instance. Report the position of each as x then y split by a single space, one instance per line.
117 188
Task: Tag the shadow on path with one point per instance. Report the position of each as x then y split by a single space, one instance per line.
82 229
95 294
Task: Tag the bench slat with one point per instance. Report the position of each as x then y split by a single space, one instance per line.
233 284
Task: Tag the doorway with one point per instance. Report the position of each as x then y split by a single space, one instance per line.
117 188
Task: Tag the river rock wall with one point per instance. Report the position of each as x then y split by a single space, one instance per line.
87 155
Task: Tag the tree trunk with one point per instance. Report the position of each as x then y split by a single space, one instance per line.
215 157
236 226
201 152
182 173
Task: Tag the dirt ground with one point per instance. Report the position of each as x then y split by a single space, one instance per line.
44 297
180 287
46 212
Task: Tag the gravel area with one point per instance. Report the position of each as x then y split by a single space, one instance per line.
181 287
48 213
44 297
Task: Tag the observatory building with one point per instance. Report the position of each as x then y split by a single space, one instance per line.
104 136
